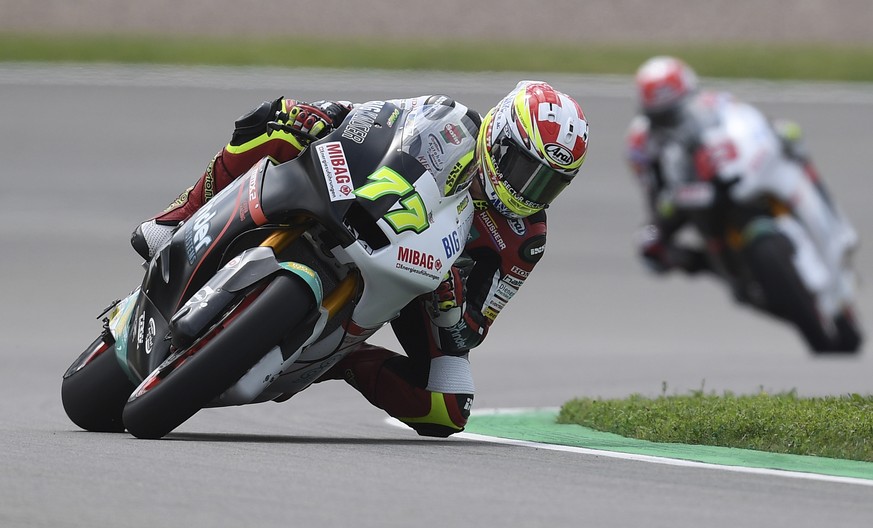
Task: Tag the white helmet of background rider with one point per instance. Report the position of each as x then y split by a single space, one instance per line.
530 146
664 85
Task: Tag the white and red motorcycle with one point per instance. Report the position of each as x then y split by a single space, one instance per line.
285 271
767 230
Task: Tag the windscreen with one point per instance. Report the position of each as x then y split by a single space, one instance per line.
443 139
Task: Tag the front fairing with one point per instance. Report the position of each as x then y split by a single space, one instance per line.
119 324
417 197
197 249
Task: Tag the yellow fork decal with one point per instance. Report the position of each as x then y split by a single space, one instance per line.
336 299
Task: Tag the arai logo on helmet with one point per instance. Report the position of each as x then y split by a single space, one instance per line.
559 154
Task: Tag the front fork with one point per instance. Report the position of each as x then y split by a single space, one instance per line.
344 292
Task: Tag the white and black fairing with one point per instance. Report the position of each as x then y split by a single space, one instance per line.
316 185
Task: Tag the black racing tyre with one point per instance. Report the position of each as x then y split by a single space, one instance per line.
95 389
187 381
849 336
769 260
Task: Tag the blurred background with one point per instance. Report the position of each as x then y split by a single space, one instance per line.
592 21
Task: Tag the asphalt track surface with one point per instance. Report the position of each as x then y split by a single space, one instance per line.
89 152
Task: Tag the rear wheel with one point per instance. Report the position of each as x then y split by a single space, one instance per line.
785 295
189 379
95 389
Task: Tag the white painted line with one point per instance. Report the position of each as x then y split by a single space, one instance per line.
641 458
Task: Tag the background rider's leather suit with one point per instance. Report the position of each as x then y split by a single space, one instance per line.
663 155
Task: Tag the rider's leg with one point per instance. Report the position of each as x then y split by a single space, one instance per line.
427 390
249 144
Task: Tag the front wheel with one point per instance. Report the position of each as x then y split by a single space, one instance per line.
95 388
849 334
189 379
785 295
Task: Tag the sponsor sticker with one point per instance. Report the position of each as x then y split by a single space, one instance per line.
392 118
520 272
486 219
559 154
197 234
453 134
335 167
452 244
254 201
201 297
515 282
505 290
418 262
418 258
140 329
517 226
362 120
435 153
150 336
532 250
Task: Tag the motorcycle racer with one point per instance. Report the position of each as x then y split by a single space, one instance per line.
529 148
683 133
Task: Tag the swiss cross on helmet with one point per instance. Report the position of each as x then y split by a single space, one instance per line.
530 147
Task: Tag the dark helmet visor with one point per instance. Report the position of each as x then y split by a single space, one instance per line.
533 182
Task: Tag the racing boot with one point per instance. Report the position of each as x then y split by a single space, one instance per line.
435 403
149 236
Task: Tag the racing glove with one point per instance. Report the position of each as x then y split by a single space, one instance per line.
652 249
316 119
446 305
660 256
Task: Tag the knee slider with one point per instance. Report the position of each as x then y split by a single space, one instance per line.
448 415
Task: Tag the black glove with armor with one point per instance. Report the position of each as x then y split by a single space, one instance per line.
446 306
315 119
660 256
652 249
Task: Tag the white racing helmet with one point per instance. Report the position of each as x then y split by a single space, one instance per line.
530 147
664 84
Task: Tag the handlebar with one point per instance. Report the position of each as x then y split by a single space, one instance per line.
275 125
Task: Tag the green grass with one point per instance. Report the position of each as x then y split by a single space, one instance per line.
813 62
836 427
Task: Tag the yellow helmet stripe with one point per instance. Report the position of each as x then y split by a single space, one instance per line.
524 115
514 204
481 151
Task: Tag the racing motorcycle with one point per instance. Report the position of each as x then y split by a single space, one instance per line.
736 202
285 271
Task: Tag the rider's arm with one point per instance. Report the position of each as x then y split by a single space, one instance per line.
253 137
655 244
501 253
253 140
